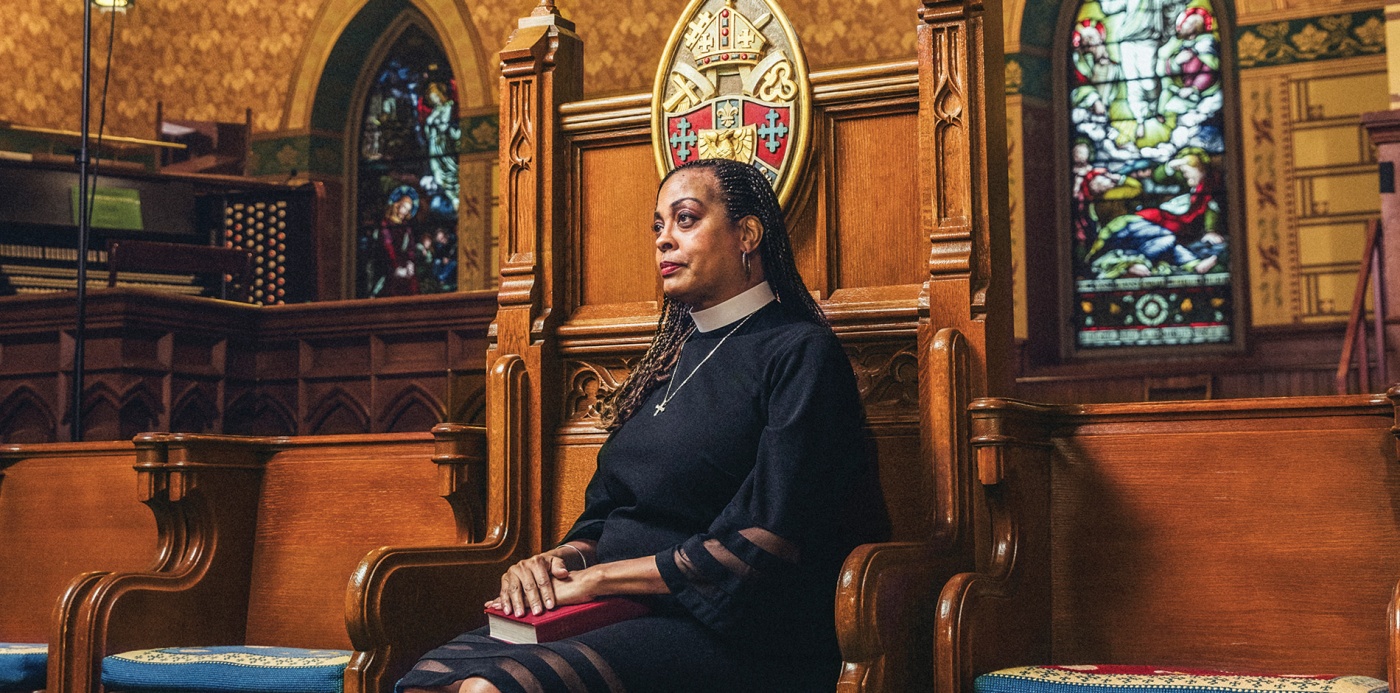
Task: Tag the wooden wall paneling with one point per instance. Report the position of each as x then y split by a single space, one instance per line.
247 361
875 215
333 357
262 412
871 207
615 243
195 407
612 192
466 396
29 352
335 408
407 404
27 414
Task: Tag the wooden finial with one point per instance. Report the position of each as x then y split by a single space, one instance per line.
545 8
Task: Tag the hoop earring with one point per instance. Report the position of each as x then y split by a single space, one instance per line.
747 270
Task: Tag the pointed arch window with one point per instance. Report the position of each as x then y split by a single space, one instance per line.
1150 232
407 192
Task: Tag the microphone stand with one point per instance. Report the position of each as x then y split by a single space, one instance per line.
84 234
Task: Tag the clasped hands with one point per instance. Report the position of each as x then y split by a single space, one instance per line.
544 581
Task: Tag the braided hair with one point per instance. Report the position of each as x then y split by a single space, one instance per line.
745 192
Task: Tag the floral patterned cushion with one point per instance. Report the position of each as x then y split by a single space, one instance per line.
1095 678
232 669
23 666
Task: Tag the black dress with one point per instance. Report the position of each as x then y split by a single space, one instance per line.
750 489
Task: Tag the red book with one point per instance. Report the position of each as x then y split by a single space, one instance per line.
562 622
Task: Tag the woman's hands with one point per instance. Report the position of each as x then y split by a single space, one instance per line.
544 581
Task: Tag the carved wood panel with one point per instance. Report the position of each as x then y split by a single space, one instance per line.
204 366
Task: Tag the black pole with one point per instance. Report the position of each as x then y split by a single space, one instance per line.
84 233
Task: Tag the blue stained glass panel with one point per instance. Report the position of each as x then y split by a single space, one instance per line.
407 187
1149 231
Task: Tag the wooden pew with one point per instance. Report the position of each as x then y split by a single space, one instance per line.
65 510
1244 535
273 530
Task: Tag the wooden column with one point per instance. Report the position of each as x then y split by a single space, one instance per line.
541 67
962 184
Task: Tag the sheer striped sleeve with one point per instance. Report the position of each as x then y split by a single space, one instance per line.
787 511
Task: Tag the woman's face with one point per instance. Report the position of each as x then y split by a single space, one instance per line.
699 251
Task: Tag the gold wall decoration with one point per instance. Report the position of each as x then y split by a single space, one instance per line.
732 84
1310 184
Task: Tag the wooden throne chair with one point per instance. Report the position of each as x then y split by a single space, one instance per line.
899 227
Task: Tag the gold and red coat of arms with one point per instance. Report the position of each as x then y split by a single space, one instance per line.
733 84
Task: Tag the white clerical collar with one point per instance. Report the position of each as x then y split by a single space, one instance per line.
734 309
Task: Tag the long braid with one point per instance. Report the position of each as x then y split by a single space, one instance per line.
746 192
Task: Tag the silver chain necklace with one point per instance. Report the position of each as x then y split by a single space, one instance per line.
667 398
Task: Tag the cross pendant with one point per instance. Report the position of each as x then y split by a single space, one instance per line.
659 408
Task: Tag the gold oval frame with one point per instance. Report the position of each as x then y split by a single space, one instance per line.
802 111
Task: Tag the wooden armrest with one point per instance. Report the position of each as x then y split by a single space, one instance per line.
403 602
999 616
884 615
203 491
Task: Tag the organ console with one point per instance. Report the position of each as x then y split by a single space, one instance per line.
275 222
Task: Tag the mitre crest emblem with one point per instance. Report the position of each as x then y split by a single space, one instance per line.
733 84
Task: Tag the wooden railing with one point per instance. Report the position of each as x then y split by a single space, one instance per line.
1355 341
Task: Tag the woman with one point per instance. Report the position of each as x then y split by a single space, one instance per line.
734 483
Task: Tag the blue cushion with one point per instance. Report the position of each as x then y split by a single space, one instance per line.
23 666
238 668
1100 678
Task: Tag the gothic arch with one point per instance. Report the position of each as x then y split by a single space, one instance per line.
310 92
139 413
194 413
255 414
26 418
413 409
338 412
101 413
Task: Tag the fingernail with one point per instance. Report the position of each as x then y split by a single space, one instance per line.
549 603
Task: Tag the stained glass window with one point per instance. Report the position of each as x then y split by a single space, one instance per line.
407 188
1149 237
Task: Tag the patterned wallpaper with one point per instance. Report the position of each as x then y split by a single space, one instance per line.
209 61
206 61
